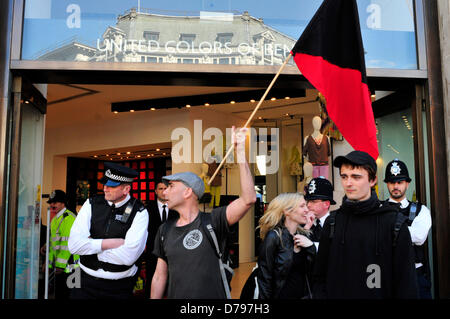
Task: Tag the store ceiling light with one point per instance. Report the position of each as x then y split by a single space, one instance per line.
199 100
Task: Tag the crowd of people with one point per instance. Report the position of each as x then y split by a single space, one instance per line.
367 248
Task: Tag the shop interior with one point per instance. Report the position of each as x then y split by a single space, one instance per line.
86 125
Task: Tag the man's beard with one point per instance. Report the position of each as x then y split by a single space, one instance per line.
398 196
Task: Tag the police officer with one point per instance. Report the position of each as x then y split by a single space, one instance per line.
60 259
109 234
319 197
419 220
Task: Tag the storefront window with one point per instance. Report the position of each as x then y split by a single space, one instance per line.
396 140
29 203
216 31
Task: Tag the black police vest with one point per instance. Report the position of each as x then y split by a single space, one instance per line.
109 222
419 250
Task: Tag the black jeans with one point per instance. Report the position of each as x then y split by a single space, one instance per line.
61 289
424 283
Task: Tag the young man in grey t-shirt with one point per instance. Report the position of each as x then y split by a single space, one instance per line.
185 254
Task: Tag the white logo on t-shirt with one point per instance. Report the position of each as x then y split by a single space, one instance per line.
193 239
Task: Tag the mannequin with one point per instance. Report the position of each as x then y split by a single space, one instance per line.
216 183
205 178
308 171
295 162
317 149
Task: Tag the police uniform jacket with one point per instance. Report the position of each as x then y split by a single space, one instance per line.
84 241
419 227
59 254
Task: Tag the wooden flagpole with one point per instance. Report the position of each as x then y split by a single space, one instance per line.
251 116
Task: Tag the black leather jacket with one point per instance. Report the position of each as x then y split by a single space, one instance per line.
275 261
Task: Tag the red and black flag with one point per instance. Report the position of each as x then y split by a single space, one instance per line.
330 55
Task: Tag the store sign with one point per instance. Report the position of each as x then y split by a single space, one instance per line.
115 31
183 47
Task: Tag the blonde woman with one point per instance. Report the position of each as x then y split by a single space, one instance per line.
286 254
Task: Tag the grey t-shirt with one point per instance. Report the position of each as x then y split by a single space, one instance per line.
193 265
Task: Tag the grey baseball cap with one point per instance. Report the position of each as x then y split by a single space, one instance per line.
189 179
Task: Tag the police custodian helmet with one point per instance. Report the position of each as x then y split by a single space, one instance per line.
396 171
319 188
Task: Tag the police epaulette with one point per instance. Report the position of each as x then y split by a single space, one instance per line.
141 207
95 197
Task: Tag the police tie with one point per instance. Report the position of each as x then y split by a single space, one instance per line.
164 214
317 231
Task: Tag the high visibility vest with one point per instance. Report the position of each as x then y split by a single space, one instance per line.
59 254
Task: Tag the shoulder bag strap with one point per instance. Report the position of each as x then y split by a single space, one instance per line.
222 268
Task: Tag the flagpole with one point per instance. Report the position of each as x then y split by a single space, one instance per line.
252 115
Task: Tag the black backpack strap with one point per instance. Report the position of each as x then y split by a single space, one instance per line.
206 224
400 220
332 221
164 227
205 221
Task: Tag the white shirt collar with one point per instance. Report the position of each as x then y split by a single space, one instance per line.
127 198
322 219
403 204
60 212
160 205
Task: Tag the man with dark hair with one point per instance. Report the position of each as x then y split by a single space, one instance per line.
365 252
109 234
418 219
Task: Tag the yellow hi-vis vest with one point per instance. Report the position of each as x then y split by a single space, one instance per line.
59 253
